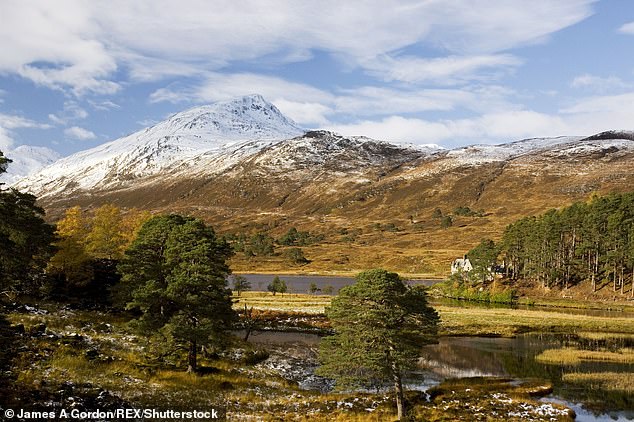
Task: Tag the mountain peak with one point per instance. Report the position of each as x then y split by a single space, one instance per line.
167 145
246 117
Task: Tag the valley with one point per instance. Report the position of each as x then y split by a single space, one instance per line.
245 168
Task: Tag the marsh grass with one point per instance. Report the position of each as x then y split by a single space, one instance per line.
605 336
289 302
570 356
611 381
511 322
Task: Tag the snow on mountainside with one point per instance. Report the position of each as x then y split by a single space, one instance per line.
248 137
165 146
27 160
479 154
337 153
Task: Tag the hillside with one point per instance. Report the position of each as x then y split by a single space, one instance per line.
245 168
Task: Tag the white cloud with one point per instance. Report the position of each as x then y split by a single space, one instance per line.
307 113
103 105
79 133
442 70
587 116
598 83
303 103
71 112
56 45
602 104
627 28
311 106
600 113
488 128
6 141
82 45
8 122
493 26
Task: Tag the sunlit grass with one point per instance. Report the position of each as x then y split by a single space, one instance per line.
289 302
510 322
605 336
504 322
570 356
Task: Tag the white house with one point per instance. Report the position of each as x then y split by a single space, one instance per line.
462 265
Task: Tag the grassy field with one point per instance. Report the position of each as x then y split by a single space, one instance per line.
465 321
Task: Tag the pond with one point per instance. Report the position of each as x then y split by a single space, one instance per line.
294 355
301 283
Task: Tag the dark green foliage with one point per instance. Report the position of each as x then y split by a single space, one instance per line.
4 162
296 256
260 244
467 212
176 272
95 291
458 286
484 261
313 288
9 343
144 261
380 325
437 213
591 241
25 241
237 241
25 247
277 286
240 284
298 238
391 227
446 222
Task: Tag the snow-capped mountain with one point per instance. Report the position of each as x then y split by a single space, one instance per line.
217 129
27 160
243 160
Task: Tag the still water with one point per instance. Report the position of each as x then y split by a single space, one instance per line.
459 357
301 283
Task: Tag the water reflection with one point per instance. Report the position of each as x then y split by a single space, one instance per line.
460 357
455 357
301 283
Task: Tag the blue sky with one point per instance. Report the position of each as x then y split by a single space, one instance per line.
74 74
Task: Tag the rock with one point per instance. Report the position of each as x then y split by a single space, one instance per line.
37 330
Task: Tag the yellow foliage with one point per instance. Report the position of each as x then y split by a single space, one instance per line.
105 239
74 224
131 223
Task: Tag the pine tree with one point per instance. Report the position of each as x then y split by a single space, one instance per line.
380 325
277 286
240 284
177 270
483 258
25 240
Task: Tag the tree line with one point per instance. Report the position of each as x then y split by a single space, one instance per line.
586 242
